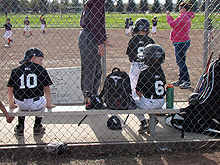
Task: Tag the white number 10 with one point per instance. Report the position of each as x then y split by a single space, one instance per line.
28 81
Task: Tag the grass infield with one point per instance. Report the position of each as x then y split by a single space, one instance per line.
113 20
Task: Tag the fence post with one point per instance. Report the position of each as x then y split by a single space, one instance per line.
205 45
103 69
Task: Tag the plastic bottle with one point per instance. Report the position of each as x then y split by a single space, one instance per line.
170 96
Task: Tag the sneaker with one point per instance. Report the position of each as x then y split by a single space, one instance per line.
177 83
39 130
185 84
7 45
144 128
19 131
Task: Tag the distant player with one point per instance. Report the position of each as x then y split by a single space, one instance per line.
150 86
28 87
27 26
43 23
130 25
154 27
127 26
135 48
8 33
210 28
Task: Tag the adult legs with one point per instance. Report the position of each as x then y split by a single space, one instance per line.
180 53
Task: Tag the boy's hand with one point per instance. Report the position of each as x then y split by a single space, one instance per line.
13 106
9 118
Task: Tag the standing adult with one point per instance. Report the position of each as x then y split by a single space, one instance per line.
91 45
180 38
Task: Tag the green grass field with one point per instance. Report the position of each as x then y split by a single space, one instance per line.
113 20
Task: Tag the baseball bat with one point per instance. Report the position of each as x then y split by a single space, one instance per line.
197 88
126 119
82 120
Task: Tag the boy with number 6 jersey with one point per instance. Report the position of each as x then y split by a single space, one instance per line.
135 48
151 83
27 86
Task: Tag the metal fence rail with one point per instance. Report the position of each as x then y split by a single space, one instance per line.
62 60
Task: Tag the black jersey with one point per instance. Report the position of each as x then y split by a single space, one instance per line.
154 22
8 26
151 82
28 81
126 25
43 22
26 22
131 23
136 45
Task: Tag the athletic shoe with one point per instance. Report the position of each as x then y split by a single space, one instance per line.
177 83
19 131
143 128
97 103
39 130
185 84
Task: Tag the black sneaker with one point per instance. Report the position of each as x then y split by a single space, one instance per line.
19 131
39 130
185 84
97 103
144 128
177 83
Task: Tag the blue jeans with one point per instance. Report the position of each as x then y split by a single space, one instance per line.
180 53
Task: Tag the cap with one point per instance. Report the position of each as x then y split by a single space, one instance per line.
8 19
31 53
26 17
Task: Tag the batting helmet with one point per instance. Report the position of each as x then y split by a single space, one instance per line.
192 97
141 24
56 148
114 123
153 54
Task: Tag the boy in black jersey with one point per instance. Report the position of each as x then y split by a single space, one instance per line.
151 83
154 27
8 33
127 26
27 26
135 48
27 86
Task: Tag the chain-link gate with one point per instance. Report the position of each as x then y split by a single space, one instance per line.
58 39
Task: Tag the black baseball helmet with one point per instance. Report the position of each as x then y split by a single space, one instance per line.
141 24
114 123
153 54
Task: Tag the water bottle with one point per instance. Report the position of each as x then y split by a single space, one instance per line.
170 97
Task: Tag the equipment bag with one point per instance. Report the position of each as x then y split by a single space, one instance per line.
117 91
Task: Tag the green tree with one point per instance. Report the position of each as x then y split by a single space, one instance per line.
75 2
168 5
144 5
119 6
109 6
54 6
131 6
176 9
156 7
24 6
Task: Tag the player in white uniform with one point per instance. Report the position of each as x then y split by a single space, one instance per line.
8 33
27 26
27 86
154 27
135 48
151 83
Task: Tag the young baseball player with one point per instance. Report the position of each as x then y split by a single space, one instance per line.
210 28
43 23
27 25
154 27
135 48
130 25
150 86
27 86
8 33
127 26
9 118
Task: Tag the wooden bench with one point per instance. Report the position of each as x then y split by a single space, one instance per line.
80 110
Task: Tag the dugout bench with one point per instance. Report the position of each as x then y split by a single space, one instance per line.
80 110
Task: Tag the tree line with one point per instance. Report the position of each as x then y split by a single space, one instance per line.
48 6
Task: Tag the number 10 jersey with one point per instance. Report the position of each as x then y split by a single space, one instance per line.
28 81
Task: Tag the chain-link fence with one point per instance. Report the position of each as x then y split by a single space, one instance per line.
58 39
